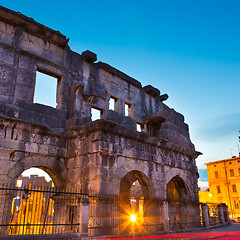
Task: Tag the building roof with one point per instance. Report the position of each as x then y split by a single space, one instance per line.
224 160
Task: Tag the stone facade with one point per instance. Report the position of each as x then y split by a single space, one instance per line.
104 156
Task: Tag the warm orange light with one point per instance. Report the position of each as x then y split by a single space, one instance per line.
133 218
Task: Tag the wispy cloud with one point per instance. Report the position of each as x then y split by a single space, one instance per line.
219 127
203 185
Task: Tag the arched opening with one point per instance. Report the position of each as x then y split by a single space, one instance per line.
46 208
32 210
136 193
178 198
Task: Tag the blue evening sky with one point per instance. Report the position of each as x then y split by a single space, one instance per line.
187 49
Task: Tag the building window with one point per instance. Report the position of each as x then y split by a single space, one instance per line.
139 127
236 205
234 188
215 165
239 171
218 189
96 114
19 183
216 175
230 163
113 104
231 173
45 89
127 109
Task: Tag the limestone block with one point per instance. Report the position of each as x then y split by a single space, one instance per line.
25 62
12 144
6 180
10 30
52 150
27 80
62 152
17 155
73 175
5 73
40 139
43 149
24 92
6 38
52 57
56 50
31 147
61 142
52 141
27 162
6 56
5 166
31 47
15 171
3 27
5 87
93 173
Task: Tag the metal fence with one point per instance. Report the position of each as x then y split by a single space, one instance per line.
38 210
48 210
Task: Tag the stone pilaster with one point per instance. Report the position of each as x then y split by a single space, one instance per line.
205 215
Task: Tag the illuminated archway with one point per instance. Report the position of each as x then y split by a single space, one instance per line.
51 165
136 193
178 198
32 206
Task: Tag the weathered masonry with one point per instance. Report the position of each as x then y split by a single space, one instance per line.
137 138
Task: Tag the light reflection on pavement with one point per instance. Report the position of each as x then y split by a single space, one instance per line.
231 231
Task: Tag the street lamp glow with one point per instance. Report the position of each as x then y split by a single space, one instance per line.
133 218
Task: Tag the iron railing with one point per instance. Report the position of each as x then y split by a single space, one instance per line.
38 210
47 210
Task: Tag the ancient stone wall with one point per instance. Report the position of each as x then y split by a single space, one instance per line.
104 156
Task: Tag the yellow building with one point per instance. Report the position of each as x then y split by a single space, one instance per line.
206 197
224 184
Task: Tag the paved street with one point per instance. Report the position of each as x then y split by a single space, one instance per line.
231 231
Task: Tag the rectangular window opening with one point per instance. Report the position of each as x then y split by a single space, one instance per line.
234 188
216 175
139 127
112 103
96 114
127 109
19 183
231 172
45 89
218 189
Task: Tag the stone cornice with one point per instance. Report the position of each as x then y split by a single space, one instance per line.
31 26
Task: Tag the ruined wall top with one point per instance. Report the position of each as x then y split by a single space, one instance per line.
17 19
84 87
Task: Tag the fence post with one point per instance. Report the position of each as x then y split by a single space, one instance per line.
165 216
220 213
5 210
83 214
205 215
